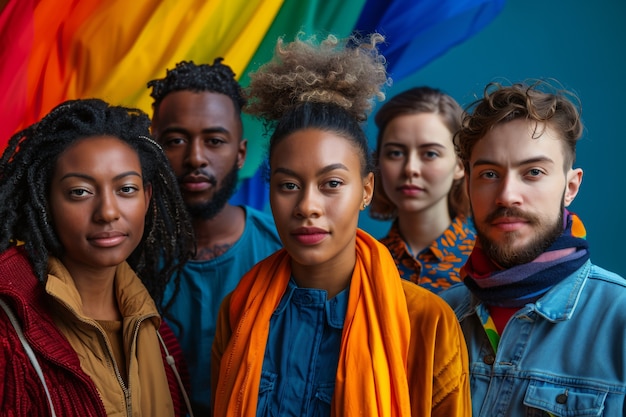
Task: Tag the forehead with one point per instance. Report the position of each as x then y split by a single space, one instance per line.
95 152
517 141
417 127
189 107
312 149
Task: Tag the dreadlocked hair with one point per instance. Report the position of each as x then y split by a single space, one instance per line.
187 76
28 164
327 85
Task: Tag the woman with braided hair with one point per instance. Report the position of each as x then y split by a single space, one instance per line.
92 229
325 326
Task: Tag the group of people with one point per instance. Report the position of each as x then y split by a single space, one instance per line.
123 294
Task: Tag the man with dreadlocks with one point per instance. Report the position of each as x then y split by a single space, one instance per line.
90 234
197 120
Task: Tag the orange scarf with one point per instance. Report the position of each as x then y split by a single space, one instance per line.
371 375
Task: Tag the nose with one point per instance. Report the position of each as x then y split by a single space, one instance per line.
196 157
309 203
108 209
412 165
509 193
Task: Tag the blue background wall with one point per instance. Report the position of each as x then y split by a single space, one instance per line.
581 44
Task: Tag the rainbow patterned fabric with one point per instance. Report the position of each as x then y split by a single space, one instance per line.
54 50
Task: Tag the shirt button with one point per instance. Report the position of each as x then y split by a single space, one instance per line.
561 398
307 299
489 359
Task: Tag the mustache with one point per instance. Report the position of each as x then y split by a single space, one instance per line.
199 173
511 212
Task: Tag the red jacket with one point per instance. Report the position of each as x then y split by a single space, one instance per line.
72 391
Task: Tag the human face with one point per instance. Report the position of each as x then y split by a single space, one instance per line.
518 187
98 203
201 136
418 164
316 193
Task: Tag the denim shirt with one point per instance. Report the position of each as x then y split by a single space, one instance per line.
302 353
563 355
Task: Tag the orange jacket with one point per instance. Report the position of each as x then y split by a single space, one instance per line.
402 350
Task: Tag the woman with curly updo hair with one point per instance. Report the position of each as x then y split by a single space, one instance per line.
92 229
325 326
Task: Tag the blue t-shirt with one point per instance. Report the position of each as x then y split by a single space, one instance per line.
302 353
203 285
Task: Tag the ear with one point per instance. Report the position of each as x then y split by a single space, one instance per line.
574 179
147 195
242 152
459 171
368 188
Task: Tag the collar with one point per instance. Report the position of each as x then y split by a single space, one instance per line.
458 227
335 308
132 296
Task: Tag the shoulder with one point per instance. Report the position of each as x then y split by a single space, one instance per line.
597 273
260 221
425 305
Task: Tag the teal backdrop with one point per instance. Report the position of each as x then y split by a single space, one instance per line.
581 44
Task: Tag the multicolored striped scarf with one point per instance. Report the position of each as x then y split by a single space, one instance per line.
526 283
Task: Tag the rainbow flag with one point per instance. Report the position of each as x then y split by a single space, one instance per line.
54 50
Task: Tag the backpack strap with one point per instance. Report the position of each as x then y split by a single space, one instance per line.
172 363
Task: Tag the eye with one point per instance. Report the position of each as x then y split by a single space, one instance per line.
288 186
128 189
394 154
334 183
535 172
78 193
489 175
215 141
431 155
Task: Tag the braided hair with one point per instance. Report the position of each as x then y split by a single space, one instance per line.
188 76
28 164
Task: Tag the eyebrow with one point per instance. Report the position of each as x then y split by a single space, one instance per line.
90 178
177 129
324 170
538 159
423 145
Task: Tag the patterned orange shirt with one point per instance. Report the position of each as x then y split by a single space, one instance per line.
437 266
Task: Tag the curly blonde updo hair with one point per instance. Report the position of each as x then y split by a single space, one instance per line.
347 72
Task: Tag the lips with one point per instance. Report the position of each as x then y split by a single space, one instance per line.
509 223
410 189
196 183
107 239
309 235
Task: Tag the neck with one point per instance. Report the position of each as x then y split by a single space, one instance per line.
420 228
97 293
333 277
216 235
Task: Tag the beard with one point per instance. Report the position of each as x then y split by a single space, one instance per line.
209 209
506 254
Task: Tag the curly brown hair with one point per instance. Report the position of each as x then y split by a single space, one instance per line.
539 101
345 72
327 86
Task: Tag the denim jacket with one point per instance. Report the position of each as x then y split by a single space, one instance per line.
563 355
